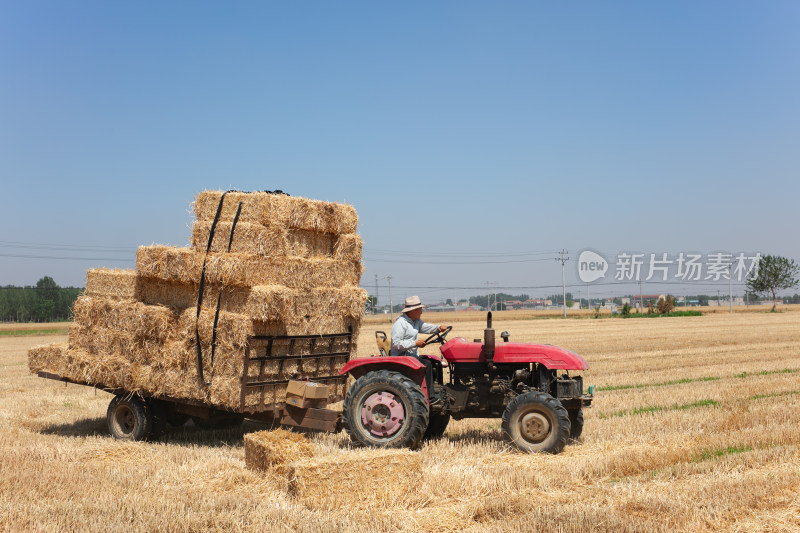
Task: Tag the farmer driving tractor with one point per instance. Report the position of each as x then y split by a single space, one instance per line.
404 336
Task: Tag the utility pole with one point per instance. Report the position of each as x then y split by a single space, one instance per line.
391 305
641 298
718 302
588 297
563 281
375 307
730 288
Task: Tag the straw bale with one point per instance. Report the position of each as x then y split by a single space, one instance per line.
277 302
225 392
379 474
263 302
182 355
46 357
111 283
275 241
262 396
169 263
173 383
79 365
177 296
116 372
305 243
252 239
320 325
233 329
272 209
185 265
101 341
265 450
141 320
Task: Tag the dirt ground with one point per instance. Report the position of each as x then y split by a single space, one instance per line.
695 428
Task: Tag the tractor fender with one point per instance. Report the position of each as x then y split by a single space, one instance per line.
409 366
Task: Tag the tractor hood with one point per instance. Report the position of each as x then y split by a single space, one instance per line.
460 350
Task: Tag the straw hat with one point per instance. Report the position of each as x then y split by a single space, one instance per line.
413 302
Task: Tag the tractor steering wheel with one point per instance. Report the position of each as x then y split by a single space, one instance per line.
438 336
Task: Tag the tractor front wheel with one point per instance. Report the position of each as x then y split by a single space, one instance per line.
575 423
536 422
385 409
436 426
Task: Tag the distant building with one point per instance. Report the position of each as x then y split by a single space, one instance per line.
646 298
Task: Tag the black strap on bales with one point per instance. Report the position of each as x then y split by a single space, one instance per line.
203 280
219 297
200 292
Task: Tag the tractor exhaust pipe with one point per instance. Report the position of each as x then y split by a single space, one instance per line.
488 341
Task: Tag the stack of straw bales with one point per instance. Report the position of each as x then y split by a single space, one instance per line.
284 266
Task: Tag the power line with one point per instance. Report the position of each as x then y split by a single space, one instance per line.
453 262
570 285
459 254
75 247
116 259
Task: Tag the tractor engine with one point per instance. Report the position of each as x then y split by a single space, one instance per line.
483 381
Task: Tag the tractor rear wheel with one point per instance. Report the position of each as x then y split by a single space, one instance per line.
436 426
536 422
385 409
575 423
129 418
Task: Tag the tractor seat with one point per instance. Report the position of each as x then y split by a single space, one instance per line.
383 342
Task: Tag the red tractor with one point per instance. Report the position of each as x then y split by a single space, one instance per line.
389 405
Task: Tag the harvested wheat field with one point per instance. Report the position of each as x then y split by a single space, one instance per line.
695 427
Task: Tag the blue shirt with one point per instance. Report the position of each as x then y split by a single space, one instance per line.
404 334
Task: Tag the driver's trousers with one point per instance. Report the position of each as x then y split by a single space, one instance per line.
428 373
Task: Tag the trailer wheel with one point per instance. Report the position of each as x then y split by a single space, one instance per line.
385 409
575 423
129 418
536 422
436 426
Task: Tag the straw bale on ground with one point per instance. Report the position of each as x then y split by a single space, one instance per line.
379 474
185 265
273 209
275 241
265 450
111 283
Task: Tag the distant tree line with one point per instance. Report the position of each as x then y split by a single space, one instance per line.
44 302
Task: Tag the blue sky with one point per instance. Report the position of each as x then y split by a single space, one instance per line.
455 128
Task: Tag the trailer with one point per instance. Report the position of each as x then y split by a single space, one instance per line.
139 415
